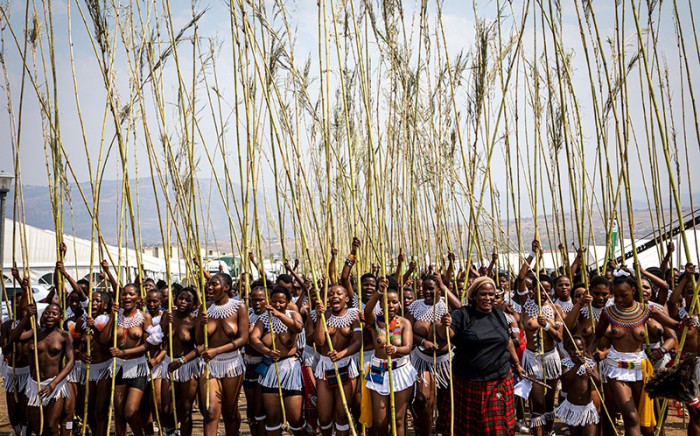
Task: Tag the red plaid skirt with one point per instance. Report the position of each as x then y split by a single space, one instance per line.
483 408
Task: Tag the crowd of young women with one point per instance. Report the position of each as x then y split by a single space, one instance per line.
355 348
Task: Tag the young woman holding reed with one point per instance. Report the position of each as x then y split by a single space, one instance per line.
626 367
337 367
186 367
130 336
226 324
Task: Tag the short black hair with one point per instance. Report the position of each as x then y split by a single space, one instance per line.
281 290
192 291
368 276
286 278
570 340
561 276
600 280
393 283
225 278
106 300
546 278
161 284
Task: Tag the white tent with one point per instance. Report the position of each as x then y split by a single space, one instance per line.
596 254
41 252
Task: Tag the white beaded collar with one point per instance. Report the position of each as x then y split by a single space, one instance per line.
343 321
568 364
277 325
427 312
566 306
134 320
516 306
252 316
596 313
533 310
224 310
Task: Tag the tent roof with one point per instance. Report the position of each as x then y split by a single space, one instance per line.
41 252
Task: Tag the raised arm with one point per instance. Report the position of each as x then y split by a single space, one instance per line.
332 269
564 258
452 299
109 277
295 276
369 307
412 266
526 266
23 330
449 274
474 271
674 300
347 267
205 273
670 248
577 262
399 264
73 284
260 270
659 283
494 259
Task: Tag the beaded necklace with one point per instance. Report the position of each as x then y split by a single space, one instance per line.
568 364
596 313
277 325
516 306
342 321
630 318
421 311
129 322
533 310
566 306
224 310
252 316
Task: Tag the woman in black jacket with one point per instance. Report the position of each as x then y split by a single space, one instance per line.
484 402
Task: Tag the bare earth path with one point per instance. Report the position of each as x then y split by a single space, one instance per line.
674 425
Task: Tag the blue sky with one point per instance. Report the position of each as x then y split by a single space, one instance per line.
459 22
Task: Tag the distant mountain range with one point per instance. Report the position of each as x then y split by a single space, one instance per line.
37 207
77 220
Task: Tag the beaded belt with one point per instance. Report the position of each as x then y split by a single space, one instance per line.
625 364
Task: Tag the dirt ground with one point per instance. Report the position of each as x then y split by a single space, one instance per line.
674 425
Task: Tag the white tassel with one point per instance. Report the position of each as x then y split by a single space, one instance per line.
226 365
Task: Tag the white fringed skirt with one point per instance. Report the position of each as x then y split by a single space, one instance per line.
532 363
404 375
290 378
575 415
226 365
32 392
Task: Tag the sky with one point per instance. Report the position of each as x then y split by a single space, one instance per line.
459 23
